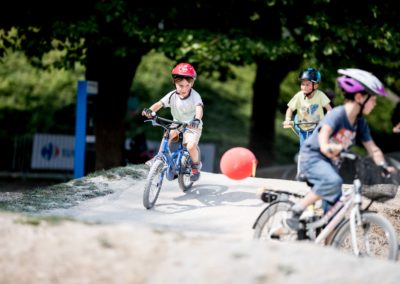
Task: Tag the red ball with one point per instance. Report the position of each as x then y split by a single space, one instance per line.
238 163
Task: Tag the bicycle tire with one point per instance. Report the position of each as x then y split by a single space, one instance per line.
184 176
375 238
153 184
269 224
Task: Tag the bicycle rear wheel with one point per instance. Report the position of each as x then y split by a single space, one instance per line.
270 226
376 237
184 176
153 184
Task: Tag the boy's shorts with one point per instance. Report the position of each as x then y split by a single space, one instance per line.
192 135
324 176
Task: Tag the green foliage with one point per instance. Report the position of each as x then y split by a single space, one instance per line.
216 37
35 96
227 104
380 118
31 97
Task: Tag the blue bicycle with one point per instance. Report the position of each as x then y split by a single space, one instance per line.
168 164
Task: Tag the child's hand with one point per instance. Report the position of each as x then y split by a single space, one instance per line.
195 123
387 170
147 113
287 123
332 150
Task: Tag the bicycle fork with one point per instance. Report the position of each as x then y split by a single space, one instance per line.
355 219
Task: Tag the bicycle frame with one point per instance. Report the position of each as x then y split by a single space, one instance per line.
172 160
337 213
349 202
167 163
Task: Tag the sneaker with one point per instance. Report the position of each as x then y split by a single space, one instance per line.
292 222
195 174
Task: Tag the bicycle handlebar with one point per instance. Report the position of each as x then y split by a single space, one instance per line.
166 123
292 123
348 155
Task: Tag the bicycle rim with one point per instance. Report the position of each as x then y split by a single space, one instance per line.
184 176
270 226
153 184
376 237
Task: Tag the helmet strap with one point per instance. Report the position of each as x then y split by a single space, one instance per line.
362 105
307 94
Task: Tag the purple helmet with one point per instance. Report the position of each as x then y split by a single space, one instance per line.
357 80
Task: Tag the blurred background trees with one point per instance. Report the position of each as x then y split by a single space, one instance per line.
247 54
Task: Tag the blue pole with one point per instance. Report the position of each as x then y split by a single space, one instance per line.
80 130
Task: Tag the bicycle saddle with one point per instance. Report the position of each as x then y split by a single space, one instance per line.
303 177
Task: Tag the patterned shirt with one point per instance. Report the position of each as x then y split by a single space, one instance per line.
309 110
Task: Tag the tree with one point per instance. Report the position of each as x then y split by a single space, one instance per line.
107 36
111 36
116 36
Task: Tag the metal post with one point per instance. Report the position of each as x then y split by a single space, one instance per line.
85 88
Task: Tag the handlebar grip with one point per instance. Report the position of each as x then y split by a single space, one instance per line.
171 122
348 155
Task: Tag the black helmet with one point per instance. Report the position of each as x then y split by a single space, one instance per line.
310 74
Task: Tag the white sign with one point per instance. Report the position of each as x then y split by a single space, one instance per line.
52 151
92 87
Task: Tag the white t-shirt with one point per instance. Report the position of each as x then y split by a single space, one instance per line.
183 109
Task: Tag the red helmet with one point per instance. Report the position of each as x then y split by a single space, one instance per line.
184 70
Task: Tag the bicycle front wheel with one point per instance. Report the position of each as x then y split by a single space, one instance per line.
270 223
153 184
376 237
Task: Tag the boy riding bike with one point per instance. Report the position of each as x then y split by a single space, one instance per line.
186 106
335 133
308 103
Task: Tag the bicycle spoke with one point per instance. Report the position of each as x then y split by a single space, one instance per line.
375 237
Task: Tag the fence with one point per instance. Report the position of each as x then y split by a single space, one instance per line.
33 156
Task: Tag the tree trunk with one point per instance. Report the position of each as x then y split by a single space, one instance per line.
266 91
114 76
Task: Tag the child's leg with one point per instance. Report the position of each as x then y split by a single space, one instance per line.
326 182
191 140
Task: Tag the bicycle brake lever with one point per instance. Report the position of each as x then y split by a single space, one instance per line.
385 172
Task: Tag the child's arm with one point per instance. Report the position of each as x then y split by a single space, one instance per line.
376 153
155 107
199 112
328 107
396 129
330 150
288 116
